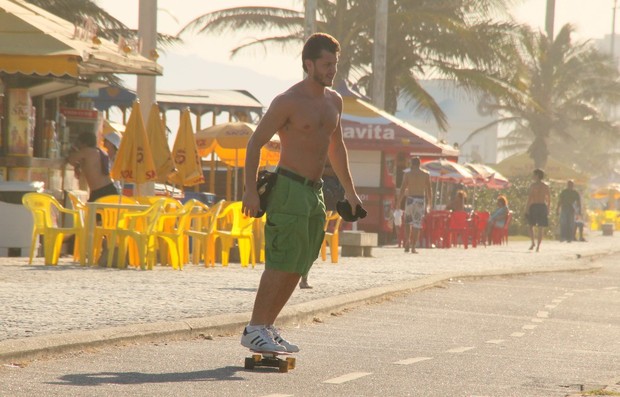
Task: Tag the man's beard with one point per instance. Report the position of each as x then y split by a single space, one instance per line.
322 80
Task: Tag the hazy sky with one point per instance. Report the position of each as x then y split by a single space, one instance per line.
204 62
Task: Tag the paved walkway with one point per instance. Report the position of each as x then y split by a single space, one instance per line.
42 300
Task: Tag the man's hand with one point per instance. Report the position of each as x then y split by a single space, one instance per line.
354 200
251 202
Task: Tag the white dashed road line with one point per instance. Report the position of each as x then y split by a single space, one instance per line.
496 341
278 395
460 349
610 288
542 314
413 360
347 378
537 320
529 326
550 306
569 294
517 334
557 300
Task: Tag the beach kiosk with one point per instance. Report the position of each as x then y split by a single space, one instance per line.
380 146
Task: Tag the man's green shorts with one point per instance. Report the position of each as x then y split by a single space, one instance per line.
294 229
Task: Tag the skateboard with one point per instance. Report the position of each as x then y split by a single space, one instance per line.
270 359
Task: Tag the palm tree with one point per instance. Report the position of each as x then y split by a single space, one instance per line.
560 89
424 36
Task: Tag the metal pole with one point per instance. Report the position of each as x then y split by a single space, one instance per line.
612 49
309 20
379 61
146 90
550 19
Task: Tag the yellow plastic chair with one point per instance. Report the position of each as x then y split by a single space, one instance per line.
202 232
171 205
332 232
171 230
139 227
240 230
46 211
110 221
79 242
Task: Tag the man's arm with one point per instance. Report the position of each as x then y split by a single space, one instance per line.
339 159
75 157
273 120
428 190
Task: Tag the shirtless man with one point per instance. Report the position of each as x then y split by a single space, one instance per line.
537 206
307 119
417 185
94 165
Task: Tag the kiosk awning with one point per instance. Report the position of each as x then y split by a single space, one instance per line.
34 41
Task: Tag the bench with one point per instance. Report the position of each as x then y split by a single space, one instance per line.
357 243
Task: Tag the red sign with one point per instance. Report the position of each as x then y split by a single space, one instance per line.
71 113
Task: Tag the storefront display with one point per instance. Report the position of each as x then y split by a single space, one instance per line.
21 118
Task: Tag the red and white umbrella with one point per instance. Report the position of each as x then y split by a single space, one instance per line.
449 171
487 176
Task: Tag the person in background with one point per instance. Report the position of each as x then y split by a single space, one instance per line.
568 201
458 202
537 207
579 223
111 143
94 164
498 217
416 187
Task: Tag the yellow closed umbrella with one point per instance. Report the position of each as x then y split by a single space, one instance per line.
230 140
185 154
162 157
134 160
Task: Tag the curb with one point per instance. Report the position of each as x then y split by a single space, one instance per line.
16 350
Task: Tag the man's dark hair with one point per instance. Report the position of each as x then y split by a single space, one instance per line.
539 173
315 44
415 161
87 139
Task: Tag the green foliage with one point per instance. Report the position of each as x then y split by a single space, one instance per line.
517 198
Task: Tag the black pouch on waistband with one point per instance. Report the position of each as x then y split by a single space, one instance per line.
264 183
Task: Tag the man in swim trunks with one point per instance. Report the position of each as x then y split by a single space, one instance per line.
94 164
417 187
307 119
537 206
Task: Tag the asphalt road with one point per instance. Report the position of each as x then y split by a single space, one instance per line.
539 335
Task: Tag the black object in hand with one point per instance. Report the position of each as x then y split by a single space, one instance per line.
265 182
346 211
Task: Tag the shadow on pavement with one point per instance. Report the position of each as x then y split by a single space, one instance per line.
136 378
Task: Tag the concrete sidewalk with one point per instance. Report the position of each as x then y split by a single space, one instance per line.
50 310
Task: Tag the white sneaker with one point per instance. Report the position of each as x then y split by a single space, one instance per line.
290 347
260 340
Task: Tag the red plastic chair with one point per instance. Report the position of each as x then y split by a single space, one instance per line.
479 222
436 222
499 235
458 226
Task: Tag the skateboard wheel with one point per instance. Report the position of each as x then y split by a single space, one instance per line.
283 366
249 363
257 358
291 362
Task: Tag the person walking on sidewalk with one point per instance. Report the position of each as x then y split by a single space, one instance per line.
569 203
537 207
417 185
307 119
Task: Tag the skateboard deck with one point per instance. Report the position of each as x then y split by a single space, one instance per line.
270 359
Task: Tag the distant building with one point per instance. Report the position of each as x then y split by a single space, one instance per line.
464 117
